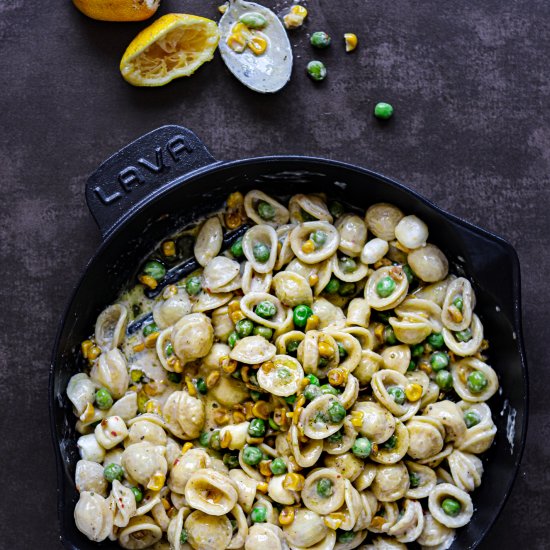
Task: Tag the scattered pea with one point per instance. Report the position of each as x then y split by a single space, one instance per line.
265 309
444 380
261 252
439 360
333 286
183 536
244 328
336 437
476 381
342 351
362 447
414 480
113 471
290 399
409 273
313 379
347 289
319 238
316 70
336 412
312 391
237 248
324 488
458 302
320 40
214 441
417 350
391 443
154 269
383 110
301 314
231 460
278 467
435 339
204 438
347 264
385 287
232 339
345 536
398 394
389 336
292 347
328 389
252 455
150 329
471 418
464 335
451 507
193 285
335 208
103 399
266 210
253 20
265 332
138 495
256 428
201 386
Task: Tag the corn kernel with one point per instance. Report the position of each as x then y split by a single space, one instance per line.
186 447
153 388
413 392
425 367
225 440
296 415
165 504
169 248
175 364
286 517
484 345
262 487
254 440
265 470
379 331
313 279
334 520
298 10
237 42
257 44
156 482
357 418
293 21
235 200
313 322
147 280
233 219
85 347
248 406
293 482
139 347
136 375
267 366
229 366
221 417
152 407
223 8
239 28
455 313
300 402
378 522
151 340
94 352
237 316
351 41
261 410
244 374
190 387
238 417
308 247
88 413
233 306
213 378
325 350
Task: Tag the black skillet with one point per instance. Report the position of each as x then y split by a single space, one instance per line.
167 179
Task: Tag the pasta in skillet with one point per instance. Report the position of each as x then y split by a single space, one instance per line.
319 383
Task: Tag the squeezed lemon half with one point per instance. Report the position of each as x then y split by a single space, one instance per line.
117 10
175 45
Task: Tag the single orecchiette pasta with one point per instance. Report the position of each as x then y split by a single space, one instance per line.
422 480
391 482
307 529
111 431
192 337
93 517
168 312
265 535
398 291
305 207
184 467
410 525
428 263
209 241
374 251
110 371
347 464
253 281
281 376
249 305
123 502
326 501
435 534
458 518
459 304
208 532
311 249
260 247
292 289
246 488
110 326
411 232
450 416
253 350
465 370
353 234
382 219
141 532
81 392
146 429
89 477
211 492
90 449
261 208
184 415
219 272
466 470
143 460
479 437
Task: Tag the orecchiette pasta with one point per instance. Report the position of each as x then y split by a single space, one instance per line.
317 382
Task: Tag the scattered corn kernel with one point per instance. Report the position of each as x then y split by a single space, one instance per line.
425 367
296 415
325 350
413 392
351 41
225 440
233 306
257 44
152 388
265 470
261 410
139 347
233 219
267 366
455 313
484 345
186 447
262 487
94 352
213 378
237 42
308 247
254 440
229 366
149 281
88 413
221 417
190 387
175 364
237 316
293 482
378 522
300 402
85 347
337 376
244 374
136 375
236 199
151 340
165 504
334 520
223 8
357 418
156 482
169 248
152 407
313 279
286 517
313 322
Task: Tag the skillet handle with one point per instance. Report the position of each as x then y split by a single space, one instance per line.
140 171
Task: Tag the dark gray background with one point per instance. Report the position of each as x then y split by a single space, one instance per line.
469 83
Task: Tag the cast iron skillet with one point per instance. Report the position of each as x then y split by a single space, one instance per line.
167 179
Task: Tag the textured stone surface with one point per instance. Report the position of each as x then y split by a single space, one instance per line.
469 83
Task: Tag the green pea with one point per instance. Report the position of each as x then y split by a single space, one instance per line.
342 351
169 349
391 443
306 216
244 328
435 339
261 252
320 40
336 412
255 395
316 70
397 394
201 386
290 399
472 418
237 248
252 455
301 314
204 438
383 316
103 399
324 488
319 238
278 467
264 332
439 360
174 377
193 285
183 536
385 287
414 480
112 472
273 425
253 20
451 507
258 514
313 379
347 264
231 460
292 347
458 302
347 289
336 437
411 367
323 362
232 339
464 335
417 350
383 110
345 536
389 336
409 273
154 269
138 495
444 380
336 208
476 381
150 329
265 309
266 210
328 389
256 428
312 391
333 286
362 447
214 441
